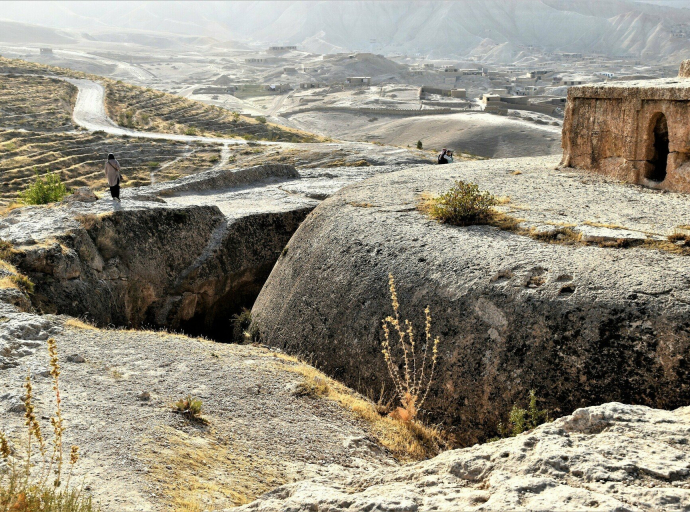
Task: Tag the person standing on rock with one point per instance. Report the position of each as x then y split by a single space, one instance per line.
112 173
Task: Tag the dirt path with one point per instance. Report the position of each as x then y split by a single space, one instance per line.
89 112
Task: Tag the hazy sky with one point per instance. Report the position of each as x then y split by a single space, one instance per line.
85 15
432 28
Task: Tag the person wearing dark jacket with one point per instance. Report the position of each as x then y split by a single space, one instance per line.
442 157
112 173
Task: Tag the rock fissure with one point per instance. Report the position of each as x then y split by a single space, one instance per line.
185 269
179 263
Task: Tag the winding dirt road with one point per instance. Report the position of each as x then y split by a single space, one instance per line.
89 113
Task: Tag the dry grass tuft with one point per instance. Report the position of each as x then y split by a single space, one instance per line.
201 471
190 408
562 236
504 222
17 282
360 205
679 238
76 323
603 225
6 250
12 206
673 245
407 441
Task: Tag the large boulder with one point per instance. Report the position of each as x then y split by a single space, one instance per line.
610 458
580 324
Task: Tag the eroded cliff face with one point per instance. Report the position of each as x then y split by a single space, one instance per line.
634 131
186 269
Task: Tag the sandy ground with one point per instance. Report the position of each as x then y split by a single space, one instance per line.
478 133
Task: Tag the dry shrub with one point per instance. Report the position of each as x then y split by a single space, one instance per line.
411 383
33 481
462 205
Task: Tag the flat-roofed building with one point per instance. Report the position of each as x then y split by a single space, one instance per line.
635 131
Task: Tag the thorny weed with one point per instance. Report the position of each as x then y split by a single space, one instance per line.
412 383
24 485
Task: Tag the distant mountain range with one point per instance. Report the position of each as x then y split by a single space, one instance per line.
499 29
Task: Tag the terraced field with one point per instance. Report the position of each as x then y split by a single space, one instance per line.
145 109
149 110
36 103
79 158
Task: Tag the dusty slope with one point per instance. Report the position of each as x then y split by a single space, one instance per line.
476 133
140 456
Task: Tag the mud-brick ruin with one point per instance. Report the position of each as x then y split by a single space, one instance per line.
637 131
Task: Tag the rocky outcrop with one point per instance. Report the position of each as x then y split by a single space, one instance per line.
635 131
612 457
216 179
160 259
182 268
581 324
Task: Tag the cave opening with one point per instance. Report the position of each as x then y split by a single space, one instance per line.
660 149
224 319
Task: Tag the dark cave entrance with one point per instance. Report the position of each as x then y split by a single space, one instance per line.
225 319
660 149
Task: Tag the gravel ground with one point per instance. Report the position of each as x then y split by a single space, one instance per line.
138 455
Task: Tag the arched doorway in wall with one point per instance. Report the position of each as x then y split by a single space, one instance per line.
659 141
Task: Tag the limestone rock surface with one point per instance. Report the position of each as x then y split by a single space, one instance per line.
607 458
581 324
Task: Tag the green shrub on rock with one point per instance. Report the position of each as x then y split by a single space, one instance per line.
462 205
44 191
521 420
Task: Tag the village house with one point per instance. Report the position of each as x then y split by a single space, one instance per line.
358 80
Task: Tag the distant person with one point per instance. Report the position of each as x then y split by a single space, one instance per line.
442 159
112 172
449 156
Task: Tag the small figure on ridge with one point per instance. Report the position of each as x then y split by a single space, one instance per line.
112 172
446 156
